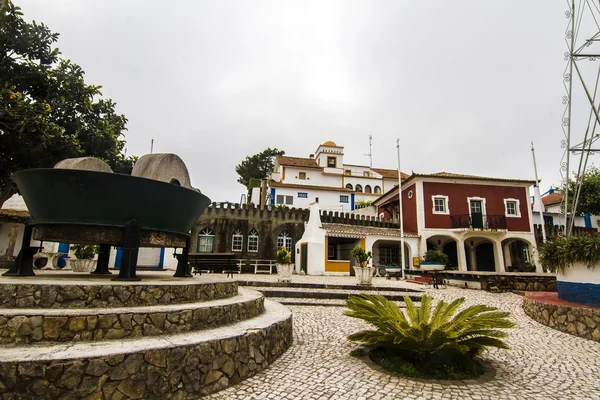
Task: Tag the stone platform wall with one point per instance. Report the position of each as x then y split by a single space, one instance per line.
178 372
69 295
507 283
579 321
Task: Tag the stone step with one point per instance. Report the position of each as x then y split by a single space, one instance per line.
36 325
63 290
299 293
186 365
316 302
304 285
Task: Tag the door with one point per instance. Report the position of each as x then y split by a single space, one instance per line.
476 207
304 257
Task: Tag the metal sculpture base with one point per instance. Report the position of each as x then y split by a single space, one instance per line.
131 247
103 259
23 265
183 267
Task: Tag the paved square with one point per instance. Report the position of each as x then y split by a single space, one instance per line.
542 364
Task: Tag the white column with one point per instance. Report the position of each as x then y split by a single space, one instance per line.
473 258
460 255
506 254
498 258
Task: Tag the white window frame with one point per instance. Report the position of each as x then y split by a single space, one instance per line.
284 239
446 204
237 241
342 197
483 205
253 241
517 208
209 237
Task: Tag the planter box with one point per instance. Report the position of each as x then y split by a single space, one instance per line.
364 275
284 272
578 284
83 265
432 266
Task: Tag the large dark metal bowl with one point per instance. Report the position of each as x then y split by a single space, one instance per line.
79 197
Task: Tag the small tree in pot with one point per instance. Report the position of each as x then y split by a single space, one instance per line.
434 260
284 265
364 273
85 257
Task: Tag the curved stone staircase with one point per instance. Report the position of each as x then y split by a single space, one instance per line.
97 339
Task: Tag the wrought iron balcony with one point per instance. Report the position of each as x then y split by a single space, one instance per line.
478 221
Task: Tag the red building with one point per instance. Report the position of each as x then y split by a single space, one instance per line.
482 224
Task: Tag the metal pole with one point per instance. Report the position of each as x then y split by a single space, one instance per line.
571 61
537 196
151 145
400 211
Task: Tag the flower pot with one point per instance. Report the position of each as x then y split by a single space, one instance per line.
284 272
364 275
432 266
83 265
578 284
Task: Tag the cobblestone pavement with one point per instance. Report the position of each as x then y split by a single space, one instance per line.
542 364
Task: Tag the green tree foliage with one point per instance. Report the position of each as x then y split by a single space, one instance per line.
257 166
47 111
589 199
429 336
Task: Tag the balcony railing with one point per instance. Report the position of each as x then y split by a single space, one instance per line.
481 221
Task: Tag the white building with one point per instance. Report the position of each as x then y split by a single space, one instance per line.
323 177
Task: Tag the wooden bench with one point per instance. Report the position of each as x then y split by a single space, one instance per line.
263 266
214 262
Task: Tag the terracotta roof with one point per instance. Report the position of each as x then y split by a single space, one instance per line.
10 215
359 231
297 162
449 175
389 173
306 187
552 198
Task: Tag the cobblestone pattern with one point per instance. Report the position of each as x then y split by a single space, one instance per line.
101 296
543 364
580 321
38 328
524 283
180 372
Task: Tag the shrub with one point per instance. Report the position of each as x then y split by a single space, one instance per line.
85 251
438 342
283 256
361 255
436 256
556 255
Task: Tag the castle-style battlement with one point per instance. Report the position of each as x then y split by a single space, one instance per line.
251 211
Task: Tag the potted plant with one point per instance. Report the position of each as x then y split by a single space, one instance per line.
574 260
434 260
284 265
85 257
364 273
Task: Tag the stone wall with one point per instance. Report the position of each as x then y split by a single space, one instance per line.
579 321
69 295
119 324
507 283
175 372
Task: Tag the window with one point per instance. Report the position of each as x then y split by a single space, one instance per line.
253 241
281 199
368 189
347 172
303 195
343 199
410 194
440 204
284 239
349 186
366 173
237 241
377 189
358 188
331 162
206 241
511 207
331 252
302 175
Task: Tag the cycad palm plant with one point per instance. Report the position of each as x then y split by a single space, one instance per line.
429 337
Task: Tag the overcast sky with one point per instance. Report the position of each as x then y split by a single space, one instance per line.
465 85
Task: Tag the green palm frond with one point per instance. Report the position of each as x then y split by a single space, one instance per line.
427 329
